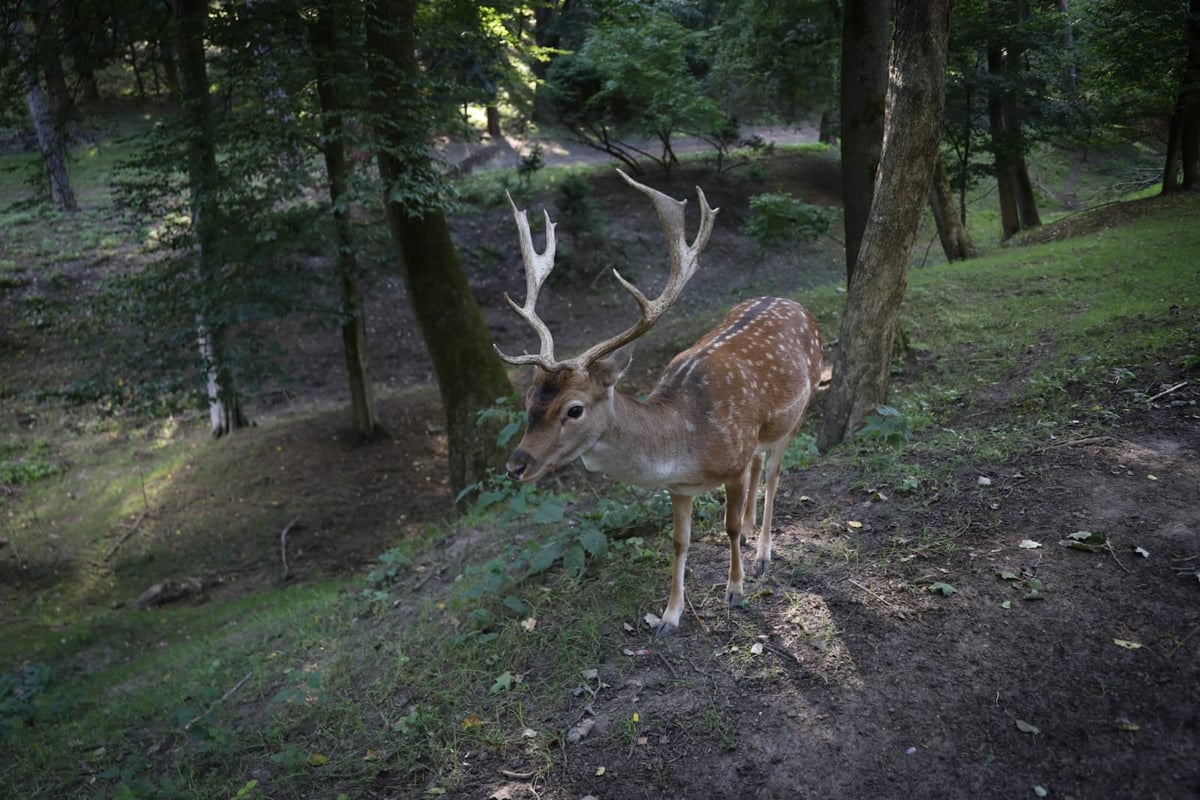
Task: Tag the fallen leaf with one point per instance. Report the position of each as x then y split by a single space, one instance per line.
652 620
318 760
1088 541
1128 645
1141 551
1041 791
590 674
371 755
472 721
529 733
855 524
529 623
636 717
1006 604
1025 727
938 587
600 771
1122 724
983 481
1008 575
642 740
756 648
1029 544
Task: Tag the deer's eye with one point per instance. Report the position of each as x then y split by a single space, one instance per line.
575 411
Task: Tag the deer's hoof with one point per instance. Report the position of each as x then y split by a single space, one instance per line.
665 629
761 568
734 599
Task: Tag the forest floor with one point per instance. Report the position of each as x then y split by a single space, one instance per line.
943 642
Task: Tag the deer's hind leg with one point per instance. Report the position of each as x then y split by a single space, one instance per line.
739 493
750 512
762 557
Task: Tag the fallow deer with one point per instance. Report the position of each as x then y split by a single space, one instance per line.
720 406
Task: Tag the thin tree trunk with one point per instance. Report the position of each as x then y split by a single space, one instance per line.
470 376
1170 175
50 140
323 34
1006 181
916 97
863 100
224 403
956 242
493 122
1027 211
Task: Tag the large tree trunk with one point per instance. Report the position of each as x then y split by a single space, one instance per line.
324 36
956 242
224 403
864 88
1183 148
916 97
470 376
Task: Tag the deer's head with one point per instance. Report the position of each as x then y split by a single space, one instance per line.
570 404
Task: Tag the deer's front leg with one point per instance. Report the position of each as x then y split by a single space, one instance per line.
681 517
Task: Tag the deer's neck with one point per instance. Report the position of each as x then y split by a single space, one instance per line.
648 444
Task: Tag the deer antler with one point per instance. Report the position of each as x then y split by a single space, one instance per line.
537 267
684 260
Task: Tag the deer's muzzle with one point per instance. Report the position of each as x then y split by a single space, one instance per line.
518 465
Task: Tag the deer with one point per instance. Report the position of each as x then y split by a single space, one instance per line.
722 412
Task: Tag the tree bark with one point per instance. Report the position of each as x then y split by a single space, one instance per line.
470 376
1183 150
323 34
956 241
915 102
1006 179
51 142
864 89
224 403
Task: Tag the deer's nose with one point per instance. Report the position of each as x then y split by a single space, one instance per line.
517 465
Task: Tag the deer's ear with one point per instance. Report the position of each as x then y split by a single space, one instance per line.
608 370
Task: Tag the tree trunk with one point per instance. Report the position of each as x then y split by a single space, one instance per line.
864 88
956 242
545 15
1006 180
324 36
915 102
1187 106
1170 176
469 374
493 122
50 139
224 403
1027 211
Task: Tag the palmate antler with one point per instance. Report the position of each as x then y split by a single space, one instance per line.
684 260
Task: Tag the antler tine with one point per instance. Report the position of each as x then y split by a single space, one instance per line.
685 258
537 268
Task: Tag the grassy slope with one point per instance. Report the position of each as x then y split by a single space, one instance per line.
324 686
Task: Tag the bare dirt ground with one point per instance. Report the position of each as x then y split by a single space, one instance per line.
1048 670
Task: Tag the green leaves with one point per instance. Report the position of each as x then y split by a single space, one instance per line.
778 218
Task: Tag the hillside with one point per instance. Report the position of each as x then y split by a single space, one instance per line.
936 623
